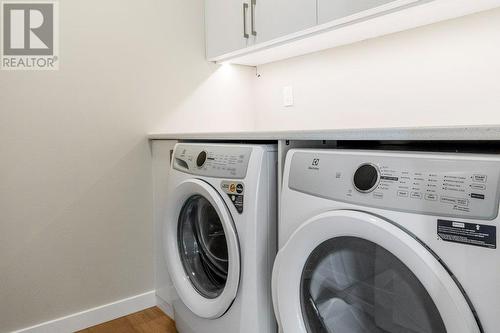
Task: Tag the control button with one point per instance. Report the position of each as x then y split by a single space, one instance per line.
430 197
449 200
402 193
366 178
477 196
478 186
378 195
202 157
416 195
479 178
463 202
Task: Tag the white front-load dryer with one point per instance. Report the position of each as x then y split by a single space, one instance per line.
220 236
388 242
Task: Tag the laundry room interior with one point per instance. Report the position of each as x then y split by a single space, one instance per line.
242 166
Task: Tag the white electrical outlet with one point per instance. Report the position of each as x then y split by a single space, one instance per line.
288 96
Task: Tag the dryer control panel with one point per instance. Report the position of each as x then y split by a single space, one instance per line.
219 161
456 185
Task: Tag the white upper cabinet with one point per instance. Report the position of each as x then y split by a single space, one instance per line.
332 10
254 32
224 30
278 18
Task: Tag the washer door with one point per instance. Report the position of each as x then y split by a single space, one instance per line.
352 272
202 249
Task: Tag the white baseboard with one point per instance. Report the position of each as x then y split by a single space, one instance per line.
94 316
165 307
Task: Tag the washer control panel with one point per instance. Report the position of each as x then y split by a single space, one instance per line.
219 161
457 185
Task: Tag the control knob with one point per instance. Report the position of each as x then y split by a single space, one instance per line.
366 178
200 160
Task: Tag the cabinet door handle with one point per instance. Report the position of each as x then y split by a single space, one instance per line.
245 8
252 12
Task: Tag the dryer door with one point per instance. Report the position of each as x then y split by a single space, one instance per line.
202 249
352 272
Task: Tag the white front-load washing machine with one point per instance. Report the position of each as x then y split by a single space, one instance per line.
220 236
388 242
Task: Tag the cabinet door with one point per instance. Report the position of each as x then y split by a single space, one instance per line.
330 10
277 18
224 26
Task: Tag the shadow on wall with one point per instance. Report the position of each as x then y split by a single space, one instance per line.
70 255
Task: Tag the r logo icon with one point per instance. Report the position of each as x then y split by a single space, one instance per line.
28 29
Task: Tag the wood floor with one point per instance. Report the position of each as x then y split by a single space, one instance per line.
151 320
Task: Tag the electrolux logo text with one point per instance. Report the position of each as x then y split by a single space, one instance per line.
30 33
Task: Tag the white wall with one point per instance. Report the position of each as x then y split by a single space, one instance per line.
75 168
442 74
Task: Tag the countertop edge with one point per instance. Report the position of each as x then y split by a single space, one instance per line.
486 133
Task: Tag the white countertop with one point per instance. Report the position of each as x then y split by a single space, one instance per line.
410 133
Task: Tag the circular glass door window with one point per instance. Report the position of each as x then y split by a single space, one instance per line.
351 285
203 247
